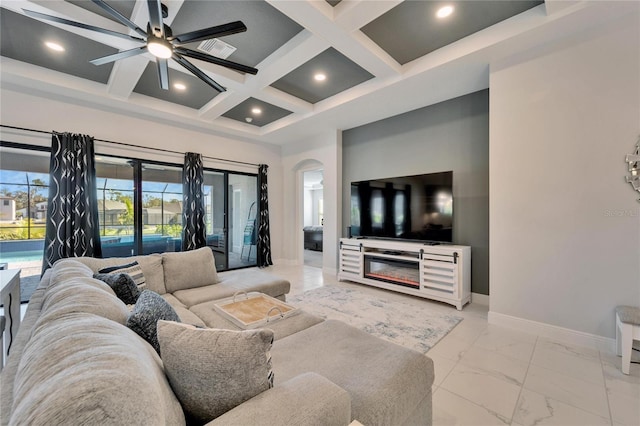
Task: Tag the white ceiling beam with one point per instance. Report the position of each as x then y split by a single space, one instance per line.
291 55
309 14
353 15
555 6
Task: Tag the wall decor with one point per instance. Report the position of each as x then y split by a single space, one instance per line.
633 161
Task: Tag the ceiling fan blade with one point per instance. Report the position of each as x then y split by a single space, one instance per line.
155 17
120 17
163 73
39 15
196 71
120 55
218 61
207 33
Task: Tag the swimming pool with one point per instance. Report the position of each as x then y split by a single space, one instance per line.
20 256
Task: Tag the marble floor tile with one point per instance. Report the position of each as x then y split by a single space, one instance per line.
451 348
536 409
492 393
558 359
470 328
442 367
578 393
451 409
585 352
507 342
495 364
625 409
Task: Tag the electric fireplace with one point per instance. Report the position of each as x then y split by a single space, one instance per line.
401 272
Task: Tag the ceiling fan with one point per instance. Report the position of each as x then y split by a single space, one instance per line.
159 40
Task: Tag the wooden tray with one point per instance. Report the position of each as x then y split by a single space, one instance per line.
252 310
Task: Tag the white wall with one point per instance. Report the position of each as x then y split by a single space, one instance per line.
31 111
564 225
324 151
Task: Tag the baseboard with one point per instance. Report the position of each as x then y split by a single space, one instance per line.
480 299
554 332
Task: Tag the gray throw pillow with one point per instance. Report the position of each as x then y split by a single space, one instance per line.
122 285
133 269
212 371
144 317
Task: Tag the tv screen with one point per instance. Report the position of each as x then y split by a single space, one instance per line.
416 207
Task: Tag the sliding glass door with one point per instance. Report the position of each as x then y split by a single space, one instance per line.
141 210
231 206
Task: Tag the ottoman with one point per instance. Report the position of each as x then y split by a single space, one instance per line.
388 384
281 328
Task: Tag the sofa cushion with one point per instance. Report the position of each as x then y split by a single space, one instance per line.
148 310
250 279
72 289
189 269
82 369
386 382
151 265
133 269
211 371
122 285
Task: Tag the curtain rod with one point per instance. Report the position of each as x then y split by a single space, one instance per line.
134 146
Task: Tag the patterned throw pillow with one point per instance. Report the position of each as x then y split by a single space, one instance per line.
149 309
122 285
212 371
133 269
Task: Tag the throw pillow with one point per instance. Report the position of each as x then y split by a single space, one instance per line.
150 308
122 285
133 269
212 371
189 269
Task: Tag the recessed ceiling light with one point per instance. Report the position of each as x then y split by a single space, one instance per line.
256 111
248 119
54 46
320 77
179 86
444 11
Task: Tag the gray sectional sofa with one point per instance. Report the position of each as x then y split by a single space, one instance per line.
74 360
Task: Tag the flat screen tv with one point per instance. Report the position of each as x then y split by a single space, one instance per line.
416 207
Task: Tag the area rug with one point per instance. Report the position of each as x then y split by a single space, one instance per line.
406 324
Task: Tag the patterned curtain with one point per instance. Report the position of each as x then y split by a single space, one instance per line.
193 215
264 237
72 228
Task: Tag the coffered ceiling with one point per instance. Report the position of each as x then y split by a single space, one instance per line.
376 58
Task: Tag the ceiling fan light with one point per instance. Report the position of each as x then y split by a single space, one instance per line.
160 48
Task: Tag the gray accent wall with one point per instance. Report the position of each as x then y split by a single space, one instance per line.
452 135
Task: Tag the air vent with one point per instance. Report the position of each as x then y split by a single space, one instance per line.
217 48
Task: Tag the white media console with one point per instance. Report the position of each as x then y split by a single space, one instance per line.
440 272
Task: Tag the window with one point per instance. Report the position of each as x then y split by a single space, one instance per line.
24 189
139 209
152 222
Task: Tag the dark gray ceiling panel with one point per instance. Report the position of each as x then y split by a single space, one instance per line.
333 2
23 39
125 7
269 114
411 29
196 95
341 72
267 28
